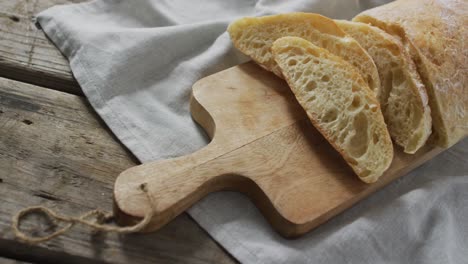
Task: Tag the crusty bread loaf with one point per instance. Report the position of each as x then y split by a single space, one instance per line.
403 96
435 32
255 35
339 103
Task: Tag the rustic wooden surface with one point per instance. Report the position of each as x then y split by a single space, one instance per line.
263 145
55 152
25 52
11 261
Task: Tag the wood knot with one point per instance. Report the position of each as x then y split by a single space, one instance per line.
27 122
15 18
144 187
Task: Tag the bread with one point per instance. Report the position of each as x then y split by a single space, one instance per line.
339 103
255 35
403 96
435 33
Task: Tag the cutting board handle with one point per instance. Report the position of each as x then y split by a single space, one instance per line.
172 190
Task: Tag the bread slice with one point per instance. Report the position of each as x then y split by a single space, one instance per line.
339 103
435 33
403 96
255 35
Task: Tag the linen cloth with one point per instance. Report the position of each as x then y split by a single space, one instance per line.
136 62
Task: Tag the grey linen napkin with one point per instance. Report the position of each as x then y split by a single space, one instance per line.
136 62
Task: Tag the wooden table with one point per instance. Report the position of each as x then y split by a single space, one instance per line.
56 152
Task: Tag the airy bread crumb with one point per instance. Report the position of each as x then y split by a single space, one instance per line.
403 96
339 103
254 36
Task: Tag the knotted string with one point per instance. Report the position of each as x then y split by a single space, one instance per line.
98 221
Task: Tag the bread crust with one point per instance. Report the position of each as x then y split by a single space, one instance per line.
435 33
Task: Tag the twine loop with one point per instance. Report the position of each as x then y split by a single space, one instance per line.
96 219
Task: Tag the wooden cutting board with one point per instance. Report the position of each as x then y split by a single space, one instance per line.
262 145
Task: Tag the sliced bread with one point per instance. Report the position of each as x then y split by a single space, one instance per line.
435 32
403 96
254 36
339 103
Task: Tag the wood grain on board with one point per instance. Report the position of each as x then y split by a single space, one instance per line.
55 152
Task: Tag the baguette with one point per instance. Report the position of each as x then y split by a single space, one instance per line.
435 33
403 96
339 103
255 35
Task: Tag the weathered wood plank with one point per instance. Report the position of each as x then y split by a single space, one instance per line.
11 261
55 152
25 52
